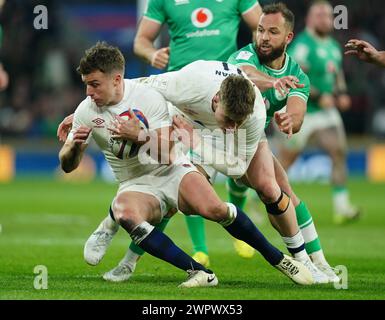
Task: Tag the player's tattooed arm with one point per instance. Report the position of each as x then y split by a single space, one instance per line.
343 100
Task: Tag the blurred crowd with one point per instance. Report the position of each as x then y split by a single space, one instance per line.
44 86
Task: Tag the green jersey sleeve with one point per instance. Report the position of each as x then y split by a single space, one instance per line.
245 5
301 92
155 11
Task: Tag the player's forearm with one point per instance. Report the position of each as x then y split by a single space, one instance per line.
144 48
70 156
261 80
296 107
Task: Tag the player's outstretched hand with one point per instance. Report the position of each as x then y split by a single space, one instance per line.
65 127
362 49
284 122
284 84
160 58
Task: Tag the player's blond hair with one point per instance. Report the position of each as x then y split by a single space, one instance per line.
102 57
237 96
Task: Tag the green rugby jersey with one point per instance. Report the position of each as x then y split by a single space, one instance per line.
199 29
321 59
274 101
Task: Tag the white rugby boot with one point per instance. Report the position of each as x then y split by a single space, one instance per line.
295 270
96 246
318 276
328 271
199 278
122 272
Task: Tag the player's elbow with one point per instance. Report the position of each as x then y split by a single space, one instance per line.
66 165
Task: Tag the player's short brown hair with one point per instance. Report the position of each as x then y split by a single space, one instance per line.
237 97
102 57
282 9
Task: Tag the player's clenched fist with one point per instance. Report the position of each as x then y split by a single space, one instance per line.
160 58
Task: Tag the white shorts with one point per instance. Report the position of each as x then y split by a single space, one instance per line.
313 122
163 183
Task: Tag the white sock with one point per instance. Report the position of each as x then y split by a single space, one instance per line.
110 224
318 258
341 201
294 243
130 258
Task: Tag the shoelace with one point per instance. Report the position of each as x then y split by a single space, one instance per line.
121 268
191 273
102 238
291 268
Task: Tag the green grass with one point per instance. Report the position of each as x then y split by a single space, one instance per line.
46 223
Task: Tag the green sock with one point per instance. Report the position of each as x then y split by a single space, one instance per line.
196 228
160 226
309 233
237 194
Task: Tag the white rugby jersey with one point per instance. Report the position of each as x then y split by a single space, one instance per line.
136 96
191 90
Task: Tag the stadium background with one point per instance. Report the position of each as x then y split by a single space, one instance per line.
44 87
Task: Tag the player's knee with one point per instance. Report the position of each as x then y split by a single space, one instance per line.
268 191
125 217
279 206
216 211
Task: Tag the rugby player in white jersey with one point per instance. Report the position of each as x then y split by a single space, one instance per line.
149 191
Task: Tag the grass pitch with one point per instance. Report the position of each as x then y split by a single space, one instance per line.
47 222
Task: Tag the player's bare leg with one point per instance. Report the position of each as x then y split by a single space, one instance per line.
306 224
333 141
204 200
261 177
135 211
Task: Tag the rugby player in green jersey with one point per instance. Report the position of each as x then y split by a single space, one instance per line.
285 89
320 56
